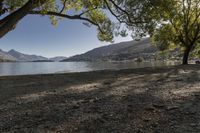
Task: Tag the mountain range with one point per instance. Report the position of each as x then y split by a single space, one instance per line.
131 50
58 58
14 55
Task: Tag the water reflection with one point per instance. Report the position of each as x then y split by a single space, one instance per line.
25 68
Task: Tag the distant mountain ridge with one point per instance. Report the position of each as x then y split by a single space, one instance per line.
25 57
14 55
58 58
130 50
4 56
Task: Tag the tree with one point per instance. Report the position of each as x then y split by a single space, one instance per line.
170 23
183 29
92 12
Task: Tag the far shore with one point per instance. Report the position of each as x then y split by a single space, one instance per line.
159 99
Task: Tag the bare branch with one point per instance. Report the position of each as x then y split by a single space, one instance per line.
63 6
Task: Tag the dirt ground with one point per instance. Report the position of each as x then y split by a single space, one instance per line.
145 100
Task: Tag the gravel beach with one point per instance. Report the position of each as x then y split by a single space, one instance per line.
143 100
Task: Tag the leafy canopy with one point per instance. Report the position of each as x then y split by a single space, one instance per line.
170 23
182 27
92 12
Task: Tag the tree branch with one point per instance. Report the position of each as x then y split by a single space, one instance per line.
75 17
122 10
8 23
61 15
63 6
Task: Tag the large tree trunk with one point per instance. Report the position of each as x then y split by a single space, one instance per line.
186 55
9 22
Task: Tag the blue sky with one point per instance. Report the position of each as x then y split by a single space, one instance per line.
36 35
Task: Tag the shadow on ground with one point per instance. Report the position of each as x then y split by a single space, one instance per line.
149 100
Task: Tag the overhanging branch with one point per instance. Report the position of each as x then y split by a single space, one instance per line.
73 17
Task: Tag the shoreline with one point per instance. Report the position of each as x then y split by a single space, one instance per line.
105 70
160 99
28 70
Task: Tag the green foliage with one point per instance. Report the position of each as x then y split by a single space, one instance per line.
171 24
106 33
91 11
14 4
196 52
183 25
163 37
163 55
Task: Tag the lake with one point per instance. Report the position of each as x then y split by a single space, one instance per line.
26 68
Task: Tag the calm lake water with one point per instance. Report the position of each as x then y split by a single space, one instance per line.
26 68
